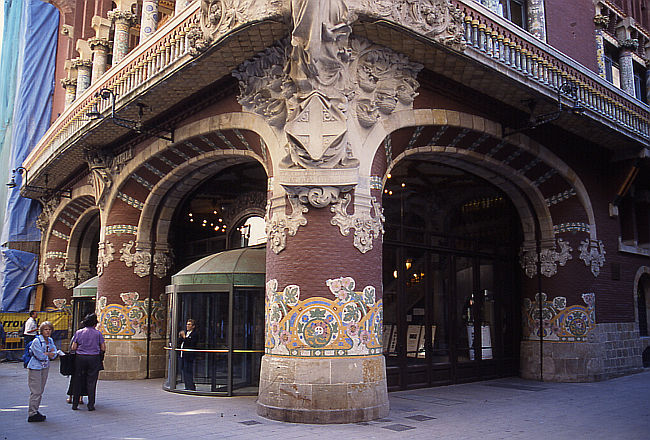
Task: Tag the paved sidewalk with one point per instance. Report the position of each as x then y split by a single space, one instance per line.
500 409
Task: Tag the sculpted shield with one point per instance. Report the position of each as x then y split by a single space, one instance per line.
317 133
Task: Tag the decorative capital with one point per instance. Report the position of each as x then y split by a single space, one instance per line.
68 82
162 262
119 15
280 224
365 226
104 256
592 252
631 44
140 259
99 43
549 258
78 62
601 21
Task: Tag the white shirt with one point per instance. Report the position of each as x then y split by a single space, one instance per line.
31 327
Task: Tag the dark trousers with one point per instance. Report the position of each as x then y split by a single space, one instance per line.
86 372
187 371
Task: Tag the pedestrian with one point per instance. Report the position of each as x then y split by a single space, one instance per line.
189 340
31 327
42 350
88 343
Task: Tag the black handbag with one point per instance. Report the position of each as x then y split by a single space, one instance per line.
66 364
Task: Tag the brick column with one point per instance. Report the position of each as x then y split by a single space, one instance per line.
123 21
127 292
100 47
601 22
148 20
627 65
323 360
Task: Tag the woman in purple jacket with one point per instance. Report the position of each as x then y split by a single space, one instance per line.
88 343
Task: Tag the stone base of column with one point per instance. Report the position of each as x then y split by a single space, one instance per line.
610 350
127 359
302 390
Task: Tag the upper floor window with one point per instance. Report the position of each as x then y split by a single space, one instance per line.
513 10
640 90
612 69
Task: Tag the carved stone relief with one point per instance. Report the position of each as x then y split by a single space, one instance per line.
104 256
162 262
140 259
49 206
280 224
549 257
437 19
365 226
104 168
592 252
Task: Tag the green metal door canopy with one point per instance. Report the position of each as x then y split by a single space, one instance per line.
86 289
244 267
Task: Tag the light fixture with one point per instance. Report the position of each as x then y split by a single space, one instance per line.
568 90
48 192
132 125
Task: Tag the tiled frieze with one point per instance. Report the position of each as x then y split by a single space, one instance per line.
349 325
560 323
129 320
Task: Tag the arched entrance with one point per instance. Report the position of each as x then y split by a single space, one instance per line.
220 287
451 302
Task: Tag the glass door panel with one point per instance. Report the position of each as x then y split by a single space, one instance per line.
465 310
415 292
439 285
248 339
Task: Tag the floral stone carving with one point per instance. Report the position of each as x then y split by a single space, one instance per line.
162 262
140 259
549 257
104 256
280 224
560 323
592 252
349 325
365 226
437 19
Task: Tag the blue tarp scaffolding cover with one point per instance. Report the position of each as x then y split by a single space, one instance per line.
26 87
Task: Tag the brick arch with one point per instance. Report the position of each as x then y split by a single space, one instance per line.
56 242
538 171
640 273
78 247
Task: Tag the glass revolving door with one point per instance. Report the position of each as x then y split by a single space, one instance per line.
228 321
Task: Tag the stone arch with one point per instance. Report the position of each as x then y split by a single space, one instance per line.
514 188
485 131
79 246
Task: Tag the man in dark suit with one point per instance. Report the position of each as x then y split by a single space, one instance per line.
189 340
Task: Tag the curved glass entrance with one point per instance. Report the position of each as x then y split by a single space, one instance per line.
224 295
451 306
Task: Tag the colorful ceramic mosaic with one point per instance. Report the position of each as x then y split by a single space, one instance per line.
349 325
560 323
129 321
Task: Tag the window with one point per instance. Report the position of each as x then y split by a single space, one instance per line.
612 69
513 10
642 304
640 91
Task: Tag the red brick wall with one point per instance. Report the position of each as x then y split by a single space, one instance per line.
570 29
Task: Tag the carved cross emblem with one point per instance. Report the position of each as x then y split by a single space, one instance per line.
318 126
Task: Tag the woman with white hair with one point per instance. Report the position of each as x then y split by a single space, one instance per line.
42 350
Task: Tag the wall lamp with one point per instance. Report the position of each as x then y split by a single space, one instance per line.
132 125
48 192
566 89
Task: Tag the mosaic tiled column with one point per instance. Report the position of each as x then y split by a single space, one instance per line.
647 80
100 47
127 295
149 19
323 359
536 18
70 86
627 65
601 22
83 74
123 21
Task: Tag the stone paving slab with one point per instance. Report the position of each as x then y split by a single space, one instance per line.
500 409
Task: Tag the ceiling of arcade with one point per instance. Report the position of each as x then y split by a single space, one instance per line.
207 79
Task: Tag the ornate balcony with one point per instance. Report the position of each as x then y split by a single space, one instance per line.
195 49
